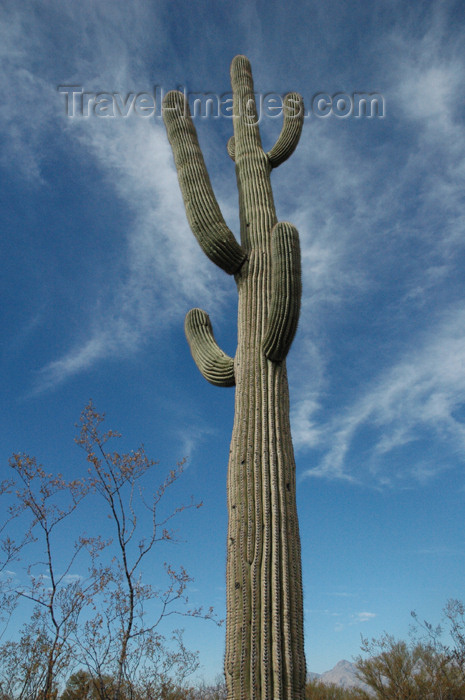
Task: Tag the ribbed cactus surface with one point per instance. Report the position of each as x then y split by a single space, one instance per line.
264 657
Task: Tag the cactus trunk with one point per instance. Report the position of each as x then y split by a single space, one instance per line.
264 657
264 636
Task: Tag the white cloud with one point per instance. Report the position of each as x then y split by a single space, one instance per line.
334 213
6 574
354 619
428 71
363 617
421 393
426 79
165 271
305 429
73 578
191 437
76 360
388 221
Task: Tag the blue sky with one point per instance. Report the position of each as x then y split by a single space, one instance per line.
100 267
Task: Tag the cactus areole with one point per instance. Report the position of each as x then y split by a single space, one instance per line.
264 656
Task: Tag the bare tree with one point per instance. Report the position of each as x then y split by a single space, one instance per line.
43 651
453 622
9 553
98 621
118 639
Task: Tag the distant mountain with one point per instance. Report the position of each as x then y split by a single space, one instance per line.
343 675
311 675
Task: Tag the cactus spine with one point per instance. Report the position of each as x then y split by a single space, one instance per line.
264 657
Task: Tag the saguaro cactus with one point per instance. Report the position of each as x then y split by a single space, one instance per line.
264 627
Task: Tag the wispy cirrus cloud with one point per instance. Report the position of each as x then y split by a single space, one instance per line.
401 252
344 620
358 618
363 617
163 271
423 394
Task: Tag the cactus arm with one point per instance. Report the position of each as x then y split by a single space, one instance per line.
231 148
213 363
291 131
286 292
203 213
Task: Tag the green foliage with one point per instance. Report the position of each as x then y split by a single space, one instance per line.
396 670
82 686
316 690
